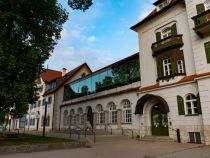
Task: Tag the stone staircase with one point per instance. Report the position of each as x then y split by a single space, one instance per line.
157 139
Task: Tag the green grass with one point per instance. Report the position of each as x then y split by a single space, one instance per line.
26 139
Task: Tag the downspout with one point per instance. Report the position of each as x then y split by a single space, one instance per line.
53 112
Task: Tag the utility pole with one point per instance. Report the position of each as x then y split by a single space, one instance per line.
45 119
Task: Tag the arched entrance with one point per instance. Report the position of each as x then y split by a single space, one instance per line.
159 121
154 112
90 115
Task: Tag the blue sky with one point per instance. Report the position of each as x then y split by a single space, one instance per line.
99 36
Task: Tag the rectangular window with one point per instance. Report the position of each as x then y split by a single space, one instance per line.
49 99
39 103
180 66
113 117
207 49
43 102
127 116
167 67
101 118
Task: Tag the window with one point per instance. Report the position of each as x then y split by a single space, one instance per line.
53 85
81 116
73 117
101 114
166 32
127 112
112 113
180 66
65 118
43 102
167 67
48 120
191 104
49 99
26 123
39 103
41 88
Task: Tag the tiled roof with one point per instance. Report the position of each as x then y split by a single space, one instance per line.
155 13
183 80
48 75
62 80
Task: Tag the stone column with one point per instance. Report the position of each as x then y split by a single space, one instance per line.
119 118
94 120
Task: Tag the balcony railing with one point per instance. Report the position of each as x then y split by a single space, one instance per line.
167 43
202 23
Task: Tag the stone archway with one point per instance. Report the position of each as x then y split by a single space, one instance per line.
153 110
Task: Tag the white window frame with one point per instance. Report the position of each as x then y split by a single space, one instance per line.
180 66
166 32
127 112
167 69
81 116
192 104
112 113
101 115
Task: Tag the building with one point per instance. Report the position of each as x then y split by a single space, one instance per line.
175 70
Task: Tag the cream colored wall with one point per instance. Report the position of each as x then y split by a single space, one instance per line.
146 34
197 42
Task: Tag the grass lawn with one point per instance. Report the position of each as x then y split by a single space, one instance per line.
25 139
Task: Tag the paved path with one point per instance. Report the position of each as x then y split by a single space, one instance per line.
125 149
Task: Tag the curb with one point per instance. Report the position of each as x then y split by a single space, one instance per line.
41 147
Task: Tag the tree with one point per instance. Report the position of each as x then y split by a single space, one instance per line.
29 30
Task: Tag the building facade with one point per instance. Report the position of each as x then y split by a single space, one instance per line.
175 92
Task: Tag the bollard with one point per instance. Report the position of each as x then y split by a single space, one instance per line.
178 135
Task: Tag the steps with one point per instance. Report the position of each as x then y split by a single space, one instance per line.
157 139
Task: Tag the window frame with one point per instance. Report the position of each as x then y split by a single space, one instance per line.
112 113
127 112
191 104
167 67
180 66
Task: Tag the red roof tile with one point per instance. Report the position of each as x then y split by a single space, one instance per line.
48 75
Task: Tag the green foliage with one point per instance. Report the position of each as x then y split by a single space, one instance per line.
174 29
80 4
180 103
200 8
29 30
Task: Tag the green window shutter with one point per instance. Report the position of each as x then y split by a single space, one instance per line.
207 49
180 103
174 66
199 104
158 36
200 8
159 69
173 29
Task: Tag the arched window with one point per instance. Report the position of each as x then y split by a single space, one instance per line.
127 112
65 118
81 116
72 117
191 104
112 113
101 114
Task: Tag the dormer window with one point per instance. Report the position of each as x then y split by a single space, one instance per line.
163 4
166 32
53 85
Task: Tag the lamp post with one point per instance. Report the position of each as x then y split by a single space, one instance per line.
44 123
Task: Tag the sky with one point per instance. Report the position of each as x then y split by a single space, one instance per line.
99 36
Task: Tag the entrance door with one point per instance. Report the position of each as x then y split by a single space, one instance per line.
159 121
90 116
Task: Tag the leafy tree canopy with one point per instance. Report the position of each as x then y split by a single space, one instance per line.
29 30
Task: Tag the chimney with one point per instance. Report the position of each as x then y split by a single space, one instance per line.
63 71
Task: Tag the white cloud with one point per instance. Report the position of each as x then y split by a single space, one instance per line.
91 39
72 57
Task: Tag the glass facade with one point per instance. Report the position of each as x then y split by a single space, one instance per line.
112 76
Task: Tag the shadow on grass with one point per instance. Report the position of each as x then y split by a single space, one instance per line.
26 139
